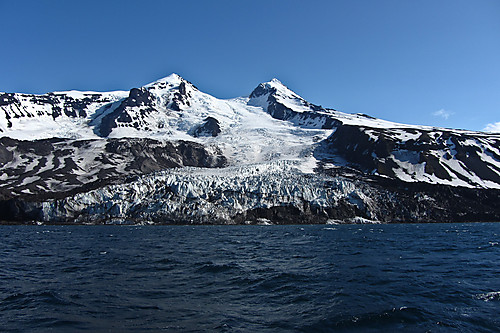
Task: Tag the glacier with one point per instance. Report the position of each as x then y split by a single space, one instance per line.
169 153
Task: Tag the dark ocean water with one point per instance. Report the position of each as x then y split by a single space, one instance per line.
373 278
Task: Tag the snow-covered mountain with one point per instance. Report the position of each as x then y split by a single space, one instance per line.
65 144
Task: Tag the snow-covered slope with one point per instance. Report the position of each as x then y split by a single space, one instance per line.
71 143
60 114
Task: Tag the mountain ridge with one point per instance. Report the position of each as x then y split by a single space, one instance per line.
60 144
174 80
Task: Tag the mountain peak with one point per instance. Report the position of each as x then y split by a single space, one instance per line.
172 79
273 87
276 84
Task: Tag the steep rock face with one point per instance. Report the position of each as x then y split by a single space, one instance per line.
180 98
55 167
433 156
155 108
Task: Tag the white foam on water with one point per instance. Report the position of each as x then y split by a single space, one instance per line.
491 296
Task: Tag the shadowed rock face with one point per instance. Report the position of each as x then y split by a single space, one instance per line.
55 167
149 155
181 97
138 98
210 127
138 110
7 99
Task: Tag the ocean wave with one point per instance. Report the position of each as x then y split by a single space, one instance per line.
388 319
491 296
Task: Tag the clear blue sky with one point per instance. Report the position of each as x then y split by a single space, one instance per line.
434 62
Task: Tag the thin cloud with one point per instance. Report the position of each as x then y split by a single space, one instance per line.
493 127
443 114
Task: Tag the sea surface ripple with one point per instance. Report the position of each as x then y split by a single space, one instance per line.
342 278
